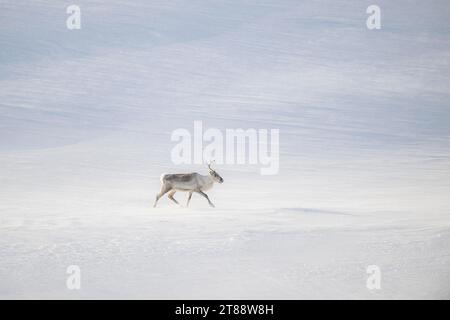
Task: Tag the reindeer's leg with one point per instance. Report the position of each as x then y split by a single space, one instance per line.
207 198
164 190
189 198
170 195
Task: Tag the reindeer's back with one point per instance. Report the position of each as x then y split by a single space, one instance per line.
180 180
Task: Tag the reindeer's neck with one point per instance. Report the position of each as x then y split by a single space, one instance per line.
208 182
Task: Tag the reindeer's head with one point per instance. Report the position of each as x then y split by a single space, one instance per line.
216 177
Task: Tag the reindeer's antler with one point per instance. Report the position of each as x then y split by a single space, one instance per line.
209 164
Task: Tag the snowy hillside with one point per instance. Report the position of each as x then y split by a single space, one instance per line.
86 118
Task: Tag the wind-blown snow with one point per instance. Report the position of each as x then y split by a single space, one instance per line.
85 123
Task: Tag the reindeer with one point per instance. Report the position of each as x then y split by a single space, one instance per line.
188 182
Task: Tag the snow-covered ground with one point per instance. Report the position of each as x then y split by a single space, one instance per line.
86 118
